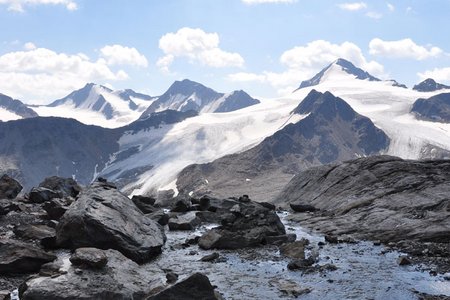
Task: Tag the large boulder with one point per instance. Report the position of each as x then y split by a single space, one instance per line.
145 204
187 221
42 233
104 218
9 187
120 278
247 224
92 258
42 195
197 286
18 258
65 187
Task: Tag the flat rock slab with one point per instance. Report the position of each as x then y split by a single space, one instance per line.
104 218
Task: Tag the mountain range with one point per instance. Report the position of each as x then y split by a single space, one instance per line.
193 139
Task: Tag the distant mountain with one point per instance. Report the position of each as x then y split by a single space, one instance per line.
429 85
190 95
99 105
35 148
436 108
330 131
11 109
338 65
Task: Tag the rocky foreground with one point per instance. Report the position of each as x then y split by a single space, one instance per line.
63 241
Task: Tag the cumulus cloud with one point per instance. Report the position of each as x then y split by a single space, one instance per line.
267 1
438 74
40 75
18 5
303 62
121 55
405 48
355 6
197 46
29 46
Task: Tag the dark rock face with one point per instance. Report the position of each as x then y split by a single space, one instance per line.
89 258
16 107
9 187
346 66
300 207
429 85
42 233
121 278
41 195
65 187
187 221
245 225
436 108
56 208
104 218
235 101
17 257
197 286
331 132
145 204
381 198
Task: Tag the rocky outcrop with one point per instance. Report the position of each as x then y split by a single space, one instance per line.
197 286
429 85
120 278
41 195
382 198
65 187
331 132
244 225
145 204
104 218
436 108
17 257
9 187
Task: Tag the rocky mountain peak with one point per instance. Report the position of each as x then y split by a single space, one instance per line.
429 85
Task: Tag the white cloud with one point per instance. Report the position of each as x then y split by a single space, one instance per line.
121 55
267 1
391 7
303 62
355 6
29 46
438 74
40 75
405 48
18 5
374 15
197 46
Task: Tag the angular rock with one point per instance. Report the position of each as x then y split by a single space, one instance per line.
294 250
41 195
89 258
42 233
121 278
104 218
197 286
171 277
187 221
280 239
9 187
160 217
331 239
145 204
56 208
183 205
7 206
65 187
404 261
210 257
18 258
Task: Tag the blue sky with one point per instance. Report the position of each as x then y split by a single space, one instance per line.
266 47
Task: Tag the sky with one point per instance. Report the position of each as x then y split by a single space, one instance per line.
49 48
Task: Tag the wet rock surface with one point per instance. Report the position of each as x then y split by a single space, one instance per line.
104 218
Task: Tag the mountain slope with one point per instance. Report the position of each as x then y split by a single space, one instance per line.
429 85
435 108
189 95
99 105
330 131
11 109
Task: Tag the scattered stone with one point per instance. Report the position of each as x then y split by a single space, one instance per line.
187 221
300 264
9 187
18 258
331 239
104 218
145 204
171 277
7 206
210 257
204 202
404 261
56 208
197 286
183 205
50 269
89 258
289 287
294 250
244 199
280 239
41 195
65 187
42 233
300 207
160 217
377 243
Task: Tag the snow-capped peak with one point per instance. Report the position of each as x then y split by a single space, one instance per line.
430 85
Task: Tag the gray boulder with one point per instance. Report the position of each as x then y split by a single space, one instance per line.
104 218
18 258
42 195
89 258
9 188
187 221
145 204
65 187
381 198
121 278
